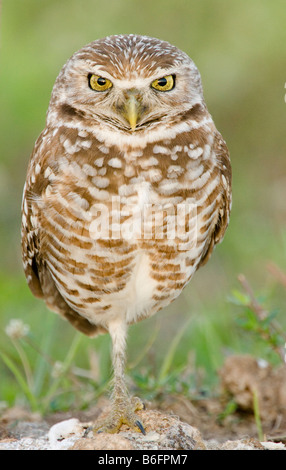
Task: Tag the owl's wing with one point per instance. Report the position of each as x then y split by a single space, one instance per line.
225 199
29 233
39 278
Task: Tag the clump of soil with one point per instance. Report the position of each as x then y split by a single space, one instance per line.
243 378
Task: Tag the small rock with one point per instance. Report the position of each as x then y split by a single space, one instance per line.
242 444
273 445
63 434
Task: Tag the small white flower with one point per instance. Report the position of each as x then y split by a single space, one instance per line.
17 329
57 370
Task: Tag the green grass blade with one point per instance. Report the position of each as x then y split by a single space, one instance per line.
65 366
257 415
167 363
21 381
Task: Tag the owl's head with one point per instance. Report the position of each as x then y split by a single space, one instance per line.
129 83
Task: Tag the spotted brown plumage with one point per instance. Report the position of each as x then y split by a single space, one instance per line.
128 190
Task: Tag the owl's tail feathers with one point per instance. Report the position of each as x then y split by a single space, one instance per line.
57 303
82 324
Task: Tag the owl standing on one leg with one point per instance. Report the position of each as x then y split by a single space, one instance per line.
127 129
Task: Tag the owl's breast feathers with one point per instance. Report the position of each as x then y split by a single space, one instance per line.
112 228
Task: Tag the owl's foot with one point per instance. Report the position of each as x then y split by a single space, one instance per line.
122 412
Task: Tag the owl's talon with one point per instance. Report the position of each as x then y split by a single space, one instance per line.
87 431
140 426
121 413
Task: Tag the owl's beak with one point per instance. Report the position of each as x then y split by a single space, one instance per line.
132 110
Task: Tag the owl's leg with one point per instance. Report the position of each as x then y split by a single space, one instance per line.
123 406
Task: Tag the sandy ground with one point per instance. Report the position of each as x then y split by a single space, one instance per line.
174 424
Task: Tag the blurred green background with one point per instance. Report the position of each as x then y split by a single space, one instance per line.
239 48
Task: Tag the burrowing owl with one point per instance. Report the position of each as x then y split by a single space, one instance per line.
128 190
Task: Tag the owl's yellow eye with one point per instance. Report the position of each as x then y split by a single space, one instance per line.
98 83
164 84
